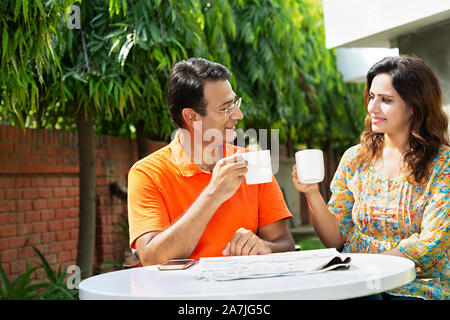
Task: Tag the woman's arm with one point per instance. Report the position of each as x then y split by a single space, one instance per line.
395 252
324 222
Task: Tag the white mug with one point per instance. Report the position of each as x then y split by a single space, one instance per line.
259 167
310 167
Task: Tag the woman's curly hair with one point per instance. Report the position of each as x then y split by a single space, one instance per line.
419 87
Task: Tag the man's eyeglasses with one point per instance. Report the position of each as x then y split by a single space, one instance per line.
229 110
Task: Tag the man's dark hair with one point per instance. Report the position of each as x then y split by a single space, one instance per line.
186 82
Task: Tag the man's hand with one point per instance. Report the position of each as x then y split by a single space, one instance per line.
227 176
245 242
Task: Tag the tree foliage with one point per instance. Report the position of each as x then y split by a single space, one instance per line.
119 63
147 39
29 29
275 50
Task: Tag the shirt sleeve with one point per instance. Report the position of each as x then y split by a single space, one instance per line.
432 243
341 201
147 210
272 206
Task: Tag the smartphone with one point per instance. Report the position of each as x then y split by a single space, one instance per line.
176 264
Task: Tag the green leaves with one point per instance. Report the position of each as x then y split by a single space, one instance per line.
25 286
29 31
4 41
275 50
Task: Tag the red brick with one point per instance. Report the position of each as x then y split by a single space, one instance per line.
11 133
13 194
62 235
20 266
22 148
19 217
17 242
70 245
30 193
54 225
12 218
8 255
60 192
72 192
33 216
23 182
117 210
40 227
6 147
107 220
38 182
45 193
51 258
74 234
57 247
66 181
8 231
24 205
68 203
27 252
72 212
7 268
3 133
69 224
106 229
62 214
64 256
102 201
39 204
4 219
48 237
54 203
52 182
6 206
50 150
4 244
101 181
23 229
47 215
6 182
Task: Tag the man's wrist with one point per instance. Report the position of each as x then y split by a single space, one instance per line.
269 246
211 196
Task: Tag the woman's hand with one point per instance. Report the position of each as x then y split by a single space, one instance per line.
306 188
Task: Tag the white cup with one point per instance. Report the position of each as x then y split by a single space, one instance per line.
259 167
310 167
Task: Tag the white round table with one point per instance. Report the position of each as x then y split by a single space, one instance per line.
368 274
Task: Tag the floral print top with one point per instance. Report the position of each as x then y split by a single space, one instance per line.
377 214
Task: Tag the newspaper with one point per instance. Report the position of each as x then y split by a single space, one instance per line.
271 265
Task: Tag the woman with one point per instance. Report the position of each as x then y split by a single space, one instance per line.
390 193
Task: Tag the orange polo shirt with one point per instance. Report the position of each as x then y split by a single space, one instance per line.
163 185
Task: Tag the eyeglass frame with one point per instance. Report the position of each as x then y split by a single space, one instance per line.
229 110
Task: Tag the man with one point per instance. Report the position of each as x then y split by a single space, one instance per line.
185 200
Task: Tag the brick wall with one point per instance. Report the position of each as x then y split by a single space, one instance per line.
39 196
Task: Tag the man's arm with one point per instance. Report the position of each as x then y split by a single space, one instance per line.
277 236
274 237
180 239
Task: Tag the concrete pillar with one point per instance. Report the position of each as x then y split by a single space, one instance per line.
431 44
